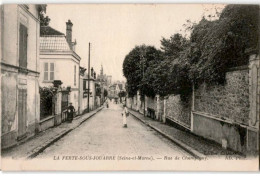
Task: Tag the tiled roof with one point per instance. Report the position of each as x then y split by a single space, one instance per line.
54 42
47 30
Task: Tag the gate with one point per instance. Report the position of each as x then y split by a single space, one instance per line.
64 104
22 113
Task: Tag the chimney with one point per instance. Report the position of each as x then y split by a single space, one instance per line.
69 33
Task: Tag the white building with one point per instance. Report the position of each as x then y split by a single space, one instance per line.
20 102
92 92
59 61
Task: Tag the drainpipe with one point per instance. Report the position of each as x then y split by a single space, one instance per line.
79 92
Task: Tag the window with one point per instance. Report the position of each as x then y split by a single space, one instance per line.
23 46
51 71
84 85
75 75
48 72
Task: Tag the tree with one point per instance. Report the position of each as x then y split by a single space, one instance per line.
173 46
171 76
121 94
221 44
44 21
137 68
105 93
46 96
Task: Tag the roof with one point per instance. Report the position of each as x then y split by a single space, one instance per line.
112 86
47 30
54 42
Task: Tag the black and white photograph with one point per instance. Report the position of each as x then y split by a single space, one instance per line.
130 87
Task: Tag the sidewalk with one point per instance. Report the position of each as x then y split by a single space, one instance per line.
41 141
195 145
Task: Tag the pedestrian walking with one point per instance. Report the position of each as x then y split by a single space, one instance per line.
107 104
125 114
70 111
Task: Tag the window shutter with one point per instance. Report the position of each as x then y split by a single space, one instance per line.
23 46
84 85
51 71
45 71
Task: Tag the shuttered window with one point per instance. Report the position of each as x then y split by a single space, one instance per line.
48 71
23 46
84 84
51 71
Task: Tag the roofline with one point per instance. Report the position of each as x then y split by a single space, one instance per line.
49 35
60 52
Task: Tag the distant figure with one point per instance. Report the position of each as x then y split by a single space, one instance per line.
125 114
70 111
107 104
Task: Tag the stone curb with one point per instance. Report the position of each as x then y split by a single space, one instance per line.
187 148
52 140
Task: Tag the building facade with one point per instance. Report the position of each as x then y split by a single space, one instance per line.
59 61
91 92
20 102
104 81
115 89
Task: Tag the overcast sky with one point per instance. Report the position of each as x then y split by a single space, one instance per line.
114 30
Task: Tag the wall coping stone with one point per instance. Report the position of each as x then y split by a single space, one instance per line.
47 118
226 120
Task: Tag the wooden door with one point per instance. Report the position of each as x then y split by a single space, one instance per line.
22 113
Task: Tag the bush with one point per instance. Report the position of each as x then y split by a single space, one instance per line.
46 105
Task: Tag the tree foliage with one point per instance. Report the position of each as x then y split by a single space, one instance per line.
121 94
137 68
46 96
44 20
221 44
105 93
214 47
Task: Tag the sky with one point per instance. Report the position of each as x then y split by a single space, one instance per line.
114 30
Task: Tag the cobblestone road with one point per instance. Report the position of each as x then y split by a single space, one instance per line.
104 134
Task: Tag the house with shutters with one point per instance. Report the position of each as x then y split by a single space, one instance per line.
59 61
115 89
20 104
89 90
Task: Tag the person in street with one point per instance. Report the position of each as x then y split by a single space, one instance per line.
107 103
125 114
70 111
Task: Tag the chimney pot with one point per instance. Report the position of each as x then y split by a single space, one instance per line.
69 25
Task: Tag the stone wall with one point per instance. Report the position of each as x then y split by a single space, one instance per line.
178 111
229 101
150 103
228 113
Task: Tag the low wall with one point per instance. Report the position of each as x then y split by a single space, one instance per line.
47 123
218 131
221 112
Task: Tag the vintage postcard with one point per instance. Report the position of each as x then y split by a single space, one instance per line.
130 87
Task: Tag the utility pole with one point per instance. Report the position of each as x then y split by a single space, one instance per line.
88 72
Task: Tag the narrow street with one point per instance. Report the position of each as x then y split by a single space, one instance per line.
104 134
